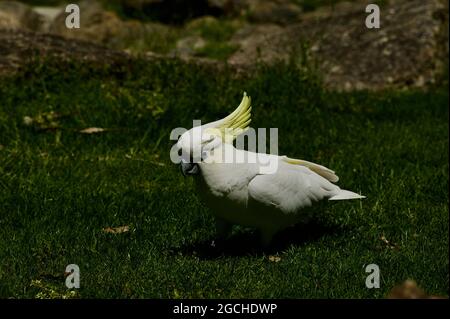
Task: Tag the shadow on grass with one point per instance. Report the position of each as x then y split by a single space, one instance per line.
248 243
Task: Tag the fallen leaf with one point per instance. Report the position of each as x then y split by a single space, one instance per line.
388 243
274 259
92 130
407 290
410 290
27 120
116 230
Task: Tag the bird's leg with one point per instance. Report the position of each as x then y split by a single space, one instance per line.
223 228
266 236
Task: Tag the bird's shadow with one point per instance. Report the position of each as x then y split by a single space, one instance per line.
248 242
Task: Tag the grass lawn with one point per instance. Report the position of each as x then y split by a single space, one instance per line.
60 188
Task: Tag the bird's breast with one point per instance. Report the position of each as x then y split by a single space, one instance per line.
225 181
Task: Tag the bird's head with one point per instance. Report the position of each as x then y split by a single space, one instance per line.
195 145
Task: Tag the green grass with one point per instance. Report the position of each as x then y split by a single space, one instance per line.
217 33
59 188
218 51
162 40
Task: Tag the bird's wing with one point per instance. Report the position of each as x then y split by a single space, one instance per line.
319 169
291 188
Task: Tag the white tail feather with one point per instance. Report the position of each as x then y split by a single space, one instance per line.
344 194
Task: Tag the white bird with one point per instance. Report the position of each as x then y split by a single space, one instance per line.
242 192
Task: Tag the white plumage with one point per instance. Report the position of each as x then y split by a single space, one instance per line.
239 193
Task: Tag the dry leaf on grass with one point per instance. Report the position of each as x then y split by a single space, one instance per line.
407 290
92 130
274 259
410 290
388 243
27 120
116 230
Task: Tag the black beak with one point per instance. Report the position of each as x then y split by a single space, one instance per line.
189 168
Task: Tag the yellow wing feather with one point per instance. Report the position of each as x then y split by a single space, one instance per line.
316 168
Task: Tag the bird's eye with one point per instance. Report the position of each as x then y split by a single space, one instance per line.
180 152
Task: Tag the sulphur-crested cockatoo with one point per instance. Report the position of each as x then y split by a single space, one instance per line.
264 191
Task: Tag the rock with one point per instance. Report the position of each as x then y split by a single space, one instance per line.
96 25
101 26
48 15
189 46
205 21
255 43
8 21
409 49
19 47
16 15
105 27
281 12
